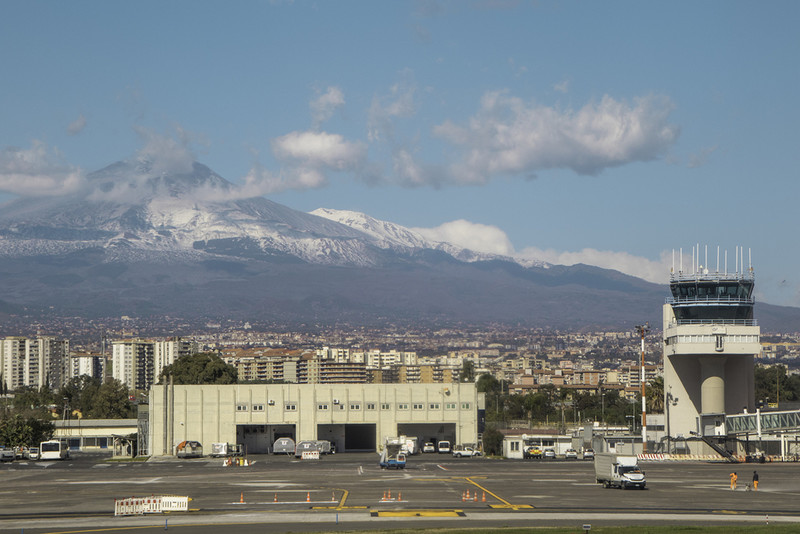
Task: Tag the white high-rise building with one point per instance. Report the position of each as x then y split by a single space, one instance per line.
132 362
12 362
166 352
46 362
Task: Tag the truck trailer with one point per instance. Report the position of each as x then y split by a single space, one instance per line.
612 470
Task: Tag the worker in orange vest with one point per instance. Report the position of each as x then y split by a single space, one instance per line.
734 476
755 480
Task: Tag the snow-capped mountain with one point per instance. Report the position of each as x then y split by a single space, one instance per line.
137 239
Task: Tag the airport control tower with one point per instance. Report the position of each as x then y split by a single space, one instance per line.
710 343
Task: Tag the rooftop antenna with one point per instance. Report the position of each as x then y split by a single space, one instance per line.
749 259
726 262
706 261
673 262
737 259
681 257
717 259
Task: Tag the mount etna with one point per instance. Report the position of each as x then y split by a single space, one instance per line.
138 240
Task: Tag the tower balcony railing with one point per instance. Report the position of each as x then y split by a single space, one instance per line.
681 276
726 322
711 301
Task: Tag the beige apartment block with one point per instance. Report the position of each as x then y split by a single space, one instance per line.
353 417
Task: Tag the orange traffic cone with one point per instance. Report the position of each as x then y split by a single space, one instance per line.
308 497
241 497
276 498
389 495
463 496
475 497
333 499
384 495
399 496
483 499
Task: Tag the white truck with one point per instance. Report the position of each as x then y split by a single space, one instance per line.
612 470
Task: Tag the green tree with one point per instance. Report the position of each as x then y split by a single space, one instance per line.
111 401
655 395
30 401
200 368
467 373
79 393
18 430
488 384
492 441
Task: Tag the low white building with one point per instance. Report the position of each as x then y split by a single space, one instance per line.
354 417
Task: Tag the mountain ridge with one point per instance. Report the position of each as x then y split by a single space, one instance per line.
137 239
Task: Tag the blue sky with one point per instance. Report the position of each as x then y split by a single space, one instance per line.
607 133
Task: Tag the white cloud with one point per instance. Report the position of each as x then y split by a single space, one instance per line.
562 87
323 107
652 271
492 240
37 171
319 150
473 236
510 136
398 103
77 126
165 153
701 158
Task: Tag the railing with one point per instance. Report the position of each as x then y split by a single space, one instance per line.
711 301
725 322
681 276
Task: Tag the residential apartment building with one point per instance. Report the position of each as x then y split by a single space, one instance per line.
37 362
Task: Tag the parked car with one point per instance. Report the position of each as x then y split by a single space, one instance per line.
33 453
549 453
571 454
429 447
532 451
6 455
444 446
460 451
588 454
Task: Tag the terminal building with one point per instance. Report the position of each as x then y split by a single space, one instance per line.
353 417
711 340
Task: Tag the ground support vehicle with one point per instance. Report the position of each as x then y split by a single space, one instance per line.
220 450
33 453
392 456
443 447
429 447
284 446
618 471
308 446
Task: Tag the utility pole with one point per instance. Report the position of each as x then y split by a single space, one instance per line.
642 330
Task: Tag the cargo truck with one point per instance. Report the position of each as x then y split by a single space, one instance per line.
612 470
392 455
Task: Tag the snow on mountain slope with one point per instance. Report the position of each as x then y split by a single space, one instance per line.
391 235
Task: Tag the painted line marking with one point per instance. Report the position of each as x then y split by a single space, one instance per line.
419 513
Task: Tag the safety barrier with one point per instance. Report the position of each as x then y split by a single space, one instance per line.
155 504
310 455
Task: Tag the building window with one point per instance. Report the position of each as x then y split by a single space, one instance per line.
465 406
241 407
434 406
341 406
370 406
322 406
402 406
419 406
355 406
386 406
515 445
290 407
258 407
450 406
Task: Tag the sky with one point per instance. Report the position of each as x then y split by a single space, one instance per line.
609 133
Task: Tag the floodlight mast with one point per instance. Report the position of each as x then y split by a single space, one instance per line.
643 330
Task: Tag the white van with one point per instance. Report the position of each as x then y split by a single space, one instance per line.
444 447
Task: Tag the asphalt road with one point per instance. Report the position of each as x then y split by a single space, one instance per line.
350 492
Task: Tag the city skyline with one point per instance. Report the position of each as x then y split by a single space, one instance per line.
604 134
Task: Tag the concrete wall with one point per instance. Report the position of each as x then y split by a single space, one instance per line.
211 413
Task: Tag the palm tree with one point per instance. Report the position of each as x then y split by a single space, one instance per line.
655 395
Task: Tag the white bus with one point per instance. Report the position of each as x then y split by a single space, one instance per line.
53 450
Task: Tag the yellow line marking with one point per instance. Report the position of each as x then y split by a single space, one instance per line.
506 504
419 513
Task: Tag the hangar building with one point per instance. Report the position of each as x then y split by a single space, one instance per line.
353 417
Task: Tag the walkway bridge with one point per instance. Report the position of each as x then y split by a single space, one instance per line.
763 423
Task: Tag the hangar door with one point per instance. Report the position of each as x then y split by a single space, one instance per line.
258 439
349 437
428 432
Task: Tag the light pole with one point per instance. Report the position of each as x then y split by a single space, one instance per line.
642 330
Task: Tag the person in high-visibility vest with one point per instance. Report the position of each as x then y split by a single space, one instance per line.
734 476
755 480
